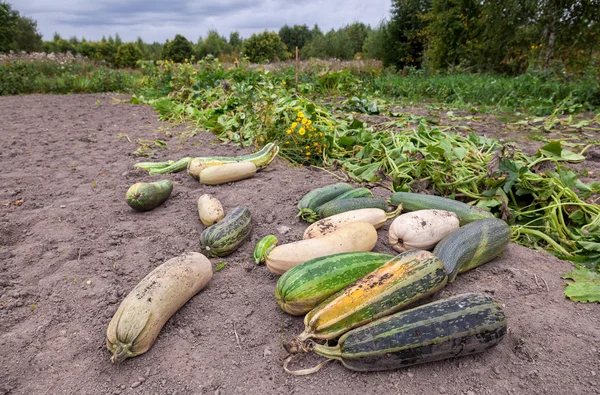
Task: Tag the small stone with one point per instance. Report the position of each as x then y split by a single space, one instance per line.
497 370
89 282
136 384
141 379
593 372
62 206
282 229
470 393
267 352
409 374
123 386
442 390
19 303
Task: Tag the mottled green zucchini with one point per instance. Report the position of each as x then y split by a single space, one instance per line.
145 196
263 247
225 236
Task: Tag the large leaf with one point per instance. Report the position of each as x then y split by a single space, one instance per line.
586 285
514 172
555 151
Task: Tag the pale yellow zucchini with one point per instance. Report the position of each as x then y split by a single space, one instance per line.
356 236
421 229
210 210
374 216
195 168
145 310
229 172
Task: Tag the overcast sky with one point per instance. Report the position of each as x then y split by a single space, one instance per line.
158 20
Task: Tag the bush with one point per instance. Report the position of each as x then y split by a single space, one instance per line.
265 47
127 55
178 50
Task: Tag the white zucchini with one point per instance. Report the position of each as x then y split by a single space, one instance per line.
421 229
210 210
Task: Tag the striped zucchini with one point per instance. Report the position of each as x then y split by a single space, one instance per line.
144 196
303 287
263 247
311 201
260 158
355 193
418 201
461 325
402 280
472 245
340 206
225 236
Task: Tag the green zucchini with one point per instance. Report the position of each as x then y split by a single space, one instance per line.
225 236
311 201
472 245
341 206
402 280
303 287
263 247
418 201
461 325
145 196
355 193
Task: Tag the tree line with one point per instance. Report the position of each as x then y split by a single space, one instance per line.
506 36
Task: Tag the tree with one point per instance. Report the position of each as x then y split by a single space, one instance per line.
375 45
296 36
214 45
405 42
17 33
236 41
178 50
264 47
127 55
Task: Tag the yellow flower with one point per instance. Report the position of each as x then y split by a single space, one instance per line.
288 131
304 121
308 121
307 147
307 153
301 132
300 115
294 124
321 134
283 83
316 144
296 109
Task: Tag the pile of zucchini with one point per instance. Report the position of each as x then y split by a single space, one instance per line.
359 298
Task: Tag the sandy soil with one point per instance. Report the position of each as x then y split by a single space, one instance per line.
73 249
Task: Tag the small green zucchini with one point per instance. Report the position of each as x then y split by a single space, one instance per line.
225 236
355 193
145 196
303 287
402 280
461 325
418 201
263 247
311 201
341 206
472 245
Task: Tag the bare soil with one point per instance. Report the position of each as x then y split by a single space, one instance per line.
71 249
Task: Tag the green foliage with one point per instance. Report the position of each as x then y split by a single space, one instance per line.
178 50
213 45
342 44
17 33
128 55
585 286
295 36
405 41
265 47
236 42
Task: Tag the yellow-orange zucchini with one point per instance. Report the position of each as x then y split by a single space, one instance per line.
145 310
229 172
356 236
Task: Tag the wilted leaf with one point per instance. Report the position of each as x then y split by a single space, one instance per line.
586 285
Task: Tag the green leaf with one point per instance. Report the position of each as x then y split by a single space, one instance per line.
220 266
347 141
555 151
586 285
513 170
460 153
589 245
356 124
368 172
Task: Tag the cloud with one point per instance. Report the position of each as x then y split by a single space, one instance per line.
158 20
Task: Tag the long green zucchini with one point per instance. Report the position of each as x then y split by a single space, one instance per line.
461 325
303 287
310 202
342 205
472 245
418 201
260 158
225 236
402 280
355 193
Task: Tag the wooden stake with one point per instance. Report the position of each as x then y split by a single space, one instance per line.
297 66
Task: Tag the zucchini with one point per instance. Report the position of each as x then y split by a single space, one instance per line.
260 158
402 280
303 287
145 310
355 193
357 236
144 196
375 216
210 210
228 172
263 247
421 229
225 236
472 245
340 206
311 201
418 201
461 325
